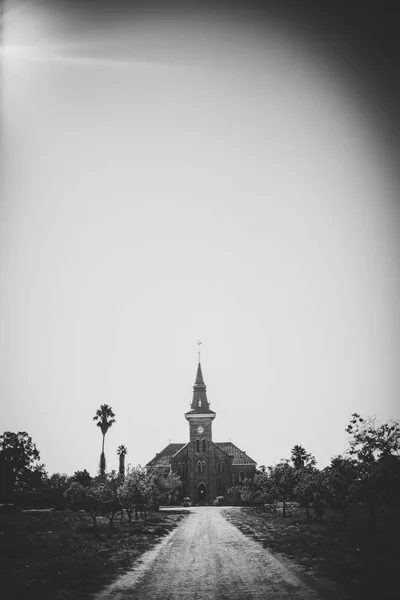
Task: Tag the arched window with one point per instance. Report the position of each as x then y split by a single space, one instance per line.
198 445
222 467
203 467
241 476
199 403
204 445
198 466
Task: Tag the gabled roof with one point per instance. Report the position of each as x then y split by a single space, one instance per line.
239 457
164 457
180 450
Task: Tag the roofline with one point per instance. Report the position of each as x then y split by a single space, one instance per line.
180 449
237 448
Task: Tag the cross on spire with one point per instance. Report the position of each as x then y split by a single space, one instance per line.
198 345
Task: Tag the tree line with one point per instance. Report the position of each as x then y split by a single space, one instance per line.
25 481
21 471
368 473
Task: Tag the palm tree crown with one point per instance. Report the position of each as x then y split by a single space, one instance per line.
105 418
122 451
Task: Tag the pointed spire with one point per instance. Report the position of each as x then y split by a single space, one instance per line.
200 403
199 378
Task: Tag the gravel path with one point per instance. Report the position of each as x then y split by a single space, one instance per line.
207 558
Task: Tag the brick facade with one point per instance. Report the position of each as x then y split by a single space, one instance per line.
207 469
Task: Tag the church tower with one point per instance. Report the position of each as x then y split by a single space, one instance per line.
200 416
200 452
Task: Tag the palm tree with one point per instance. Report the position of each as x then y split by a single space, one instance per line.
105 418
122 451
301 458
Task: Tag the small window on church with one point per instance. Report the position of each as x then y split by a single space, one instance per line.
203 467
222 467
199 402
204 445
241 476
198 445
199 467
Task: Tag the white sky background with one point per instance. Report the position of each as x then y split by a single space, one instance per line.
168 180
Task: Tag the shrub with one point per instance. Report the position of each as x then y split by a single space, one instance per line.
219 500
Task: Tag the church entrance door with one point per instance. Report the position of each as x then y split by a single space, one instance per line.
201 494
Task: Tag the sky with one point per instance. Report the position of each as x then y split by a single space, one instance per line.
175 176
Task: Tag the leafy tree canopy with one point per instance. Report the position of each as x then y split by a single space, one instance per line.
19 462
370 441
82 477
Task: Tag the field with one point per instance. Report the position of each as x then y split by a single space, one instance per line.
361 561
51 555
57 555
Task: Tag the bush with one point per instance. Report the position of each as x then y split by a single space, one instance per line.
219 500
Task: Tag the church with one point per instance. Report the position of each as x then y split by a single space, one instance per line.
207 469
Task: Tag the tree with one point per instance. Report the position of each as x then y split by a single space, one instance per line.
110 499
57 484
122 452
341 480
90 499
82 477
132 492
310 490
19 464
260 492
283 480
301 459
375 448
160 488
105 419
370 441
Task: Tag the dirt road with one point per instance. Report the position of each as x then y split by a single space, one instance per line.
207 558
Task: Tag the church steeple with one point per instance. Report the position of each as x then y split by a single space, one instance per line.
200 402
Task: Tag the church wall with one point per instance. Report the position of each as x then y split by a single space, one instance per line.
240 472
201 461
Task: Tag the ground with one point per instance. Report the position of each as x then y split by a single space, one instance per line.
57 555
209 558
360 560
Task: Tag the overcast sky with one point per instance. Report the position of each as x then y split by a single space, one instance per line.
167 179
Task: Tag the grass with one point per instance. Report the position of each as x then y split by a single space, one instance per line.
58 555
360 561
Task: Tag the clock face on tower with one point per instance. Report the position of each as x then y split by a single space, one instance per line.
200 429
